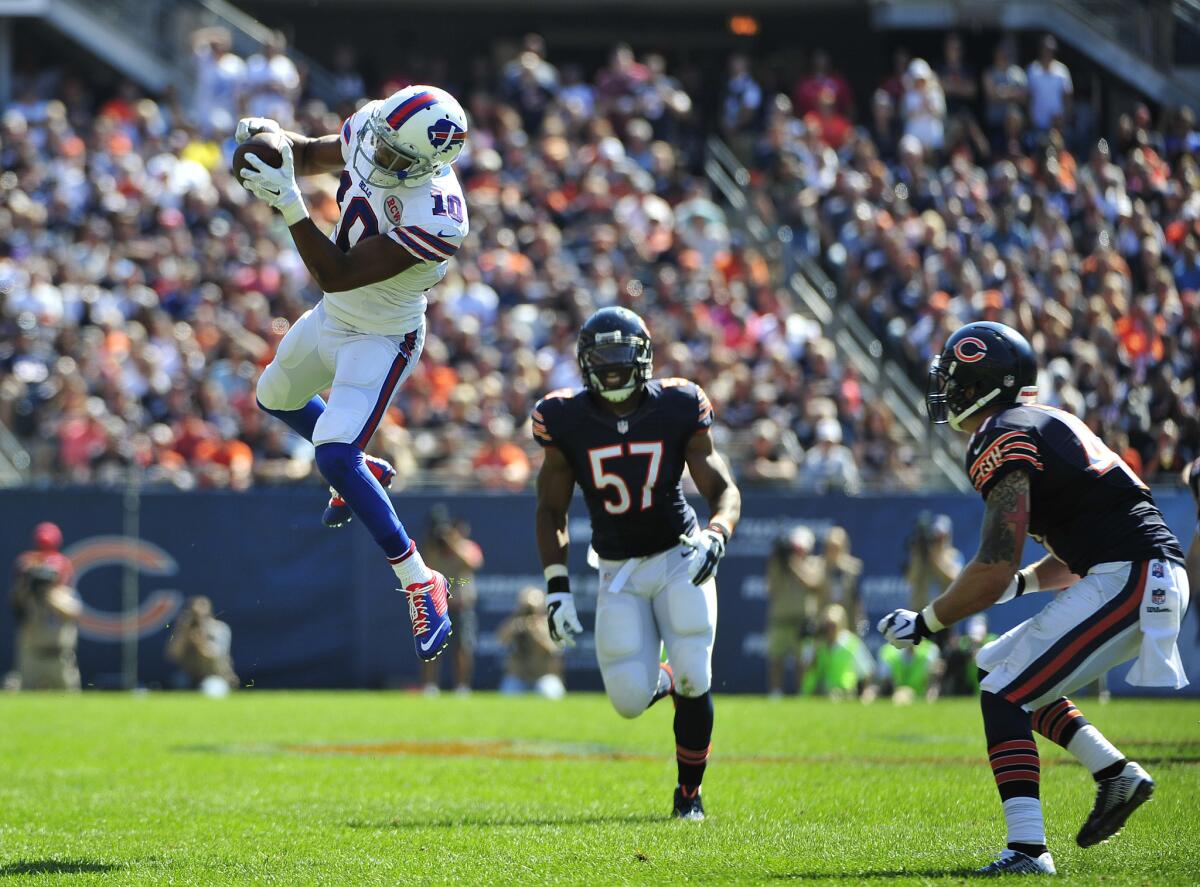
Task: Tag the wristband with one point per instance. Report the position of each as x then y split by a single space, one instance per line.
932 624
718 527
557 579
1027 581
293 212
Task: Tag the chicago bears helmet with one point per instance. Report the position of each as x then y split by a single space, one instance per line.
410 137
615 354
983 364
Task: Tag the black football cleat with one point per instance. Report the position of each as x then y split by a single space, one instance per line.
1116 799
688 806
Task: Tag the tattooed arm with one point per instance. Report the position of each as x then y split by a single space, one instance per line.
983 580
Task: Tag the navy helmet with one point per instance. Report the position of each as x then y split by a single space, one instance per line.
983 364
615 354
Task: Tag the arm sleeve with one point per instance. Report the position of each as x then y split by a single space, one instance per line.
1000 452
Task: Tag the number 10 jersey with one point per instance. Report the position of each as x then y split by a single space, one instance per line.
428 220
630 468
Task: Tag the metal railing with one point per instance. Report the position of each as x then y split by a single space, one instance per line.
818 295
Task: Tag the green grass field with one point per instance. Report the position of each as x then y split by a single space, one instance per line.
360 788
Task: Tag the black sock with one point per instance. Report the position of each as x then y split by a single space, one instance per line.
1111 770
693 737
1034 850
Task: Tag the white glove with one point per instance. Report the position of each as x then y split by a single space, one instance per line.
707 550
276 187
249 126
564 621
903 628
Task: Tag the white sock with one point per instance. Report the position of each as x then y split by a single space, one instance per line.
412 570
1092 750
1024 819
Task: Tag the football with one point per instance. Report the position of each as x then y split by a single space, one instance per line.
267 146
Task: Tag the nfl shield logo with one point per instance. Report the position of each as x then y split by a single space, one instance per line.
1158 596
622 426
1156 569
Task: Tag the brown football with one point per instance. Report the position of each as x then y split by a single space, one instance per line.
264 145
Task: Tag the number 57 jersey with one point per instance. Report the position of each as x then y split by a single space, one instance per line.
629 468
428 220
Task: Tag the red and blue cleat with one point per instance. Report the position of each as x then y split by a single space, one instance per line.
337 512
429 612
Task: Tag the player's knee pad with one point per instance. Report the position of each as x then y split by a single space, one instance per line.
691 664
347 414
629 686
274 391
337 461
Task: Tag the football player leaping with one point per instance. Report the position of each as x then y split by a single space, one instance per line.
402 218
624 439
1043 472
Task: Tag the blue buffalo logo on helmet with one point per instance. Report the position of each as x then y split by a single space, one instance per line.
446 134
970 349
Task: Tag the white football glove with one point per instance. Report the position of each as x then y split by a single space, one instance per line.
707 550
903 628
276 187
564 621
249 126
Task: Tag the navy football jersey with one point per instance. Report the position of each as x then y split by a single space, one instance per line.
629 467
1086 505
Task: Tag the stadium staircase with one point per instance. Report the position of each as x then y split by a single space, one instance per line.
149 41
818 296
1150 46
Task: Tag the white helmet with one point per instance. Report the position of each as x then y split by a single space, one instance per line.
410 137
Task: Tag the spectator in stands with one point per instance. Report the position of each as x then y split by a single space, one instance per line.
500 463
272 82
1050 87
828 465
842 665
1005 89
773 457
448 548
959 80
923 106
741 106
534 663
794 583
219 79
822 80
200 645
47 611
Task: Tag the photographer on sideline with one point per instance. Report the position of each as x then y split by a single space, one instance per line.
449 550
200 646
47 614
795 584
932 559
534 663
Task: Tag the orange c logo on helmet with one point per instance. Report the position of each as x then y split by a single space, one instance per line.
970 350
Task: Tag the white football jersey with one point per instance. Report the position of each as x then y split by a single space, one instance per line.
429 220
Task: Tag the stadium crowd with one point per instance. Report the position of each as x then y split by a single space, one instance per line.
142 290
967 194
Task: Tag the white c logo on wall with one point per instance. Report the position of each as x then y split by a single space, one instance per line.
104 551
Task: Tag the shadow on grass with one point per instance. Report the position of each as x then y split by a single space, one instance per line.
870 875
54 867
513 821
